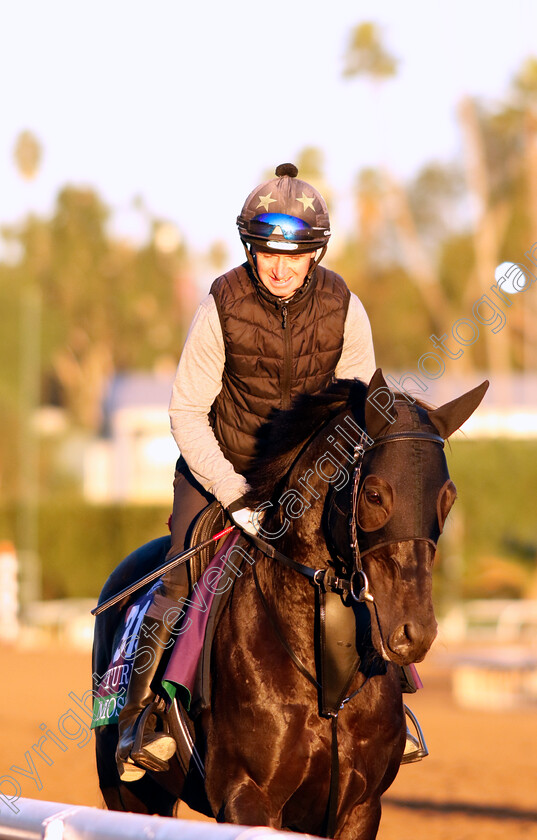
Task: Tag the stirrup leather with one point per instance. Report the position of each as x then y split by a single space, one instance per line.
415 747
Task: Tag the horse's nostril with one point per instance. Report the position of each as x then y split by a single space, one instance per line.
403 637
411 641
411 632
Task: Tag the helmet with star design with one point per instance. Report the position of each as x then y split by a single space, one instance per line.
285 215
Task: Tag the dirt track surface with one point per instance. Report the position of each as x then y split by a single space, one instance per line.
480 780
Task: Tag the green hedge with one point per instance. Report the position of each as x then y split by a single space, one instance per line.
496 483
80 544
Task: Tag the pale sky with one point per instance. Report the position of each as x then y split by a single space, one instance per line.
187 104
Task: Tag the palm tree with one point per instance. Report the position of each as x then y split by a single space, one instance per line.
525 90
27 155
367 57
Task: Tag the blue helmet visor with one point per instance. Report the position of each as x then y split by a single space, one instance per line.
291 227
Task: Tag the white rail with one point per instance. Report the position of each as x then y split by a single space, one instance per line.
505 621
31 819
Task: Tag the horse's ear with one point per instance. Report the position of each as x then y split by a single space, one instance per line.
378 402
449 417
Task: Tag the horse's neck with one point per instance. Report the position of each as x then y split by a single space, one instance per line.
299 516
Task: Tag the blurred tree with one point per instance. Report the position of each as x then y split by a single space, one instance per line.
218 256
108 305
525 93
310 164
501 163
425 228
367 57
525 83
435 197
490 219
369 191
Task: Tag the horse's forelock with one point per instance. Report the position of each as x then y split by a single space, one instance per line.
280 440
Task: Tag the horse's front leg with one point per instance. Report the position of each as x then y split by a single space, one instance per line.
361 822
245 803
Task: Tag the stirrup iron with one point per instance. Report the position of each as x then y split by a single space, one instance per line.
154 753
415 746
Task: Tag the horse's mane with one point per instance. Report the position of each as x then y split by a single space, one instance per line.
280 440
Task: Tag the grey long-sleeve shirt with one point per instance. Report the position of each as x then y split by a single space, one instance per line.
199 380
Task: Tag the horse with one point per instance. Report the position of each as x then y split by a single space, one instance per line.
305 729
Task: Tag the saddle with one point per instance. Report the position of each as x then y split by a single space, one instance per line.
210 521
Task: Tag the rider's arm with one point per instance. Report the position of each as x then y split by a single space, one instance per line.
358 356
197 384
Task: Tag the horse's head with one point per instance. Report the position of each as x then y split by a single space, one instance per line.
394 510
371 505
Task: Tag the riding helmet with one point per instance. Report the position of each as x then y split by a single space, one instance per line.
285 215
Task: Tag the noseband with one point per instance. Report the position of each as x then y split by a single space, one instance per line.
321 577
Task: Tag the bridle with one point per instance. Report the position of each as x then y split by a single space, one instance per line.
322 577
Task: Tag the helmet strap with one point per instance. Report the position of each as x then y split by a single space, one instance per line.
316 261
250 258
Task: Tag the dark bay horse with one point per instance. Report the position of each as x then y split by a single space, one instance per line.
294 738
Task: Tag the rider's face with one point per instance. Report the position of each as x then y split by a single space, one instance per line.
282 274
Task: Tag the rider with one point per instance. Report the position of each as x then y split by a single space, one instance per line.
276 326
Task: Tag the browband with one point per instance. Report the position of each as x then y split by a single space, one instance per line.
405 436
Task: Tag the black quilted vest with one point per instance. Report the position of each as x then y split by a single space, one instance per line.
274 351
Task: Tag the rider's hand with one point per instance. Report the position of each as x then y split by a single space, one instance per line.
248 520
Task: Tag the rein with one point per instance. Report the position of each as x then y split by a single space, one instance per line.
320 577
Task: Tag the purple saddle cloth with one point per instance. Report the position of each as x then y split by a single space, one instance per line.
185 668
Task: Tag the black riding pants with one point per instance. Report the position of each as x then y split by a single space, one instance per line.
189 499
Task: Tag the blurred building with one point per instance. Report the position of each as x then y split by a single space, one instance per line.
9 592
508 410
133 459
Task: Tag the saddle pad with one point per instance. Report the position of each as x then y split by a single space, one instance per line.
184 671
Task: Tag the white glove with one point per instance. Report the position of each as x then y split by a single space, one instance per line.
247 519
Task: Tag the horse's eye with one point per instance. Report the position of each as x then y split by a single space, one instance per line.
375 503
374 497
